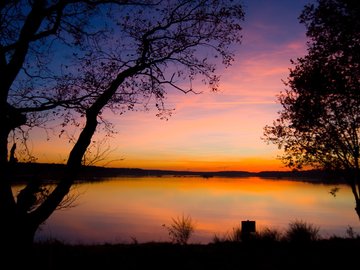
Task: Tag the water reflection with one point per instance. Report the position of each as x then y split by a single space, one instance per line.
124 209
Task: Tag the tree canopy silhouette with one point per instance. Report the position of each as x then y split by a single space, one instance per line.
68 61
319 124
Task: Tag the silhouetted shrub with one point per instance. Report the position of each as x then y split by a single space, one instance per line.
269 235
300 231
181 229
233 236
351 233
218 239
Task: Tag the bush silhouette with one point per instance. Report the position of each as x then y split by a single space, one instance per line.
181 229
300 232
269 235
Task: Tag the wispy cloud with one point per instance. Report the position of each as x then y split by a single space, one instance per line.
210 131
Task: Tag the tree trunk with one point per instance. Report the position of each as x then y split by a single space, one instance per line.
18 225
353 182
17 241
357 208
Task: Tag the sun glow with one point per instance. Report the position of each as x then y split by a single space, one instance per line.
209 131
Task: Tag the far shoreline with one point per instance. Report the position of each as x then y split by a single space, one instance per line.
23 172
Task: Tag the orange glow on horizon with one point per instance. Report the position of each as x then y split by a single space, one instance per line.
210 131
244 164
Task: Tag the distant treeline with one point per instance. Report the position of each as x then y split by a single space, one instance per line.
23 172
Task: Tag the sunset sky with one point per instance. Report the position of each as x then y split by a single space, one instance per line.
213 131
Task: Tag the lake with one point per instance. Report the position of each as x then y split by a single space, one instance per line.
128 209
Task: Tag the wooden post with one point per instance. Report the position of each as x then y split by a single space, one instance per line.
248 229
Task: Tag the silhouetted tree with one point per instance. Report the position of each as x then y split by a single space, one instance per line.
70 60
319 124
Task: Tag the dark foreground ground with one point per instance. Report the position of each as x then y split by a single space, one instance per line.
324 254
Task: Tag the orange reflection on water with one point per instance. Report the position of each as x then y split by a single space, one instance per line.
123 209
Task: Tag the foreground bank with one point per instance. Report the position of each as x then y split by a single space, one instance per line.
336 253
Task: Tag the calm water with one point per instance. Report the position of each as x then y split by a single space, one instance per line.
124 209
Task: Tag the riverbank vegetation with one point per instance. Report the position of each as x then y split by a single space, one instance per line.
299 247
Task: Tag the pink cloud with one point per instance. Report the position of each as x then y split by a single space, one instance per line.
211 130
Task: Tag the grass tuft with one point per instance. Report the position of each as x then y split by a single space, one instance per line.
181 229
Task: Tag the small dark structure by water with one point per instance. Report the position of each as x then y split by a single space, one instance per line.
248 229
